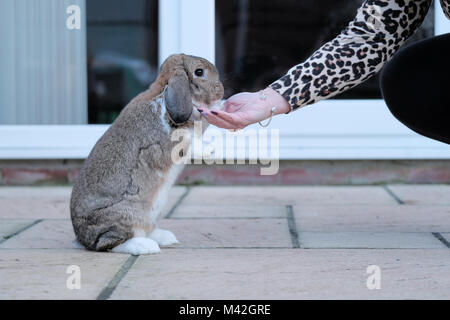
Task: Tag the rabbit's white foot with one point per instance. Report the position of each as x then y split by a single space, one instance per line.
163 237
137 246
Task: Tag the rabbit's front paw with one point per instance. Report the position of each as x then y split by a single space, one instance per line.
137 246
163 237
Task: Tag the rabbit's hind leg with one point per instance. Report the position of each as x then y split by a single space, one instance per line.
128 226
163 237
98 233
126 242
111 239
112 226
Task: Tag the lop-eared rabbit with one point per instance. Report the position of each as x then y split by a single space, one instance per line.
123 184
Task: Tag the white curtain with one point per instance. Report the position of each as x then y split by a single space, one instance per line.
42 63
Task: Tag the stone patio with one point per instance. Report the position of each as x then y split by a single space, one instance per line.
259 242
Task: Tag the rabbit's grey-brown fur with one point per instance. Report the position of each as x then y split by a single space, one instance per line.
120 181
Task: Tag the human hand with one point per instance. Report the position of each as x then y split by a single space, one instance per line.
246 108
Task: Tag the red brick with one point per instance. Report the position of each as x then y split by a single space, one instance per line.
21 176
226 175
429 175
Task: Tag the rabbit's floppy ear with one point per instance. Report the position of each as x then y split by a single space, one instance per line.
178 97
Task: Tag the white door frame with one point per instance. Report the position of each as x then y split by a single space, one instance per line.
331 129
187 27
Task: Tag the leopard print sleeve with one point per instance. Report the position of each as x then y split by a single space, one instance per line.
358 53
446 7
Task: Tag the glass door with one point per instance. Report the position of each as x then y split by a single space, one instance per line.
61 86
70 66
122 54
68 69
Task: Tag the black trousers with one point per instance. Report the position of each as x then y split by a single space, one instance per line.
416 87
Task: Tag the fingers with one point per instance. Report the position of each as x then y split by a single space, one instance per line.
230 118
216 118
219 123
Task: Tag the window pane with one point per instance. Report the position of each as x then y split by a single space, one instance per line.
45 65
42 63
122 38
258 41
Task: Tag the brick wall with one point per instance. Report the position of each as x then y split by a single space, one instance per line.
37 172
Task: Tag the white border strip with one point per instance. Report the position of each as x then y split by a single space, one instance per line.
75 142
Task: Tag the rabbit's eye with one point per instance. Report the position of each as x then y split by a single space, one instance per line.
198 72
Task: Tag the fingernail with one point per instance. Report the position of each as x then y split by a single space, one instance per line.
214 113
200 110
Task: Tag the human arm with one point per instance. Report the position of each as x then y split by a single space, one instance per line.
355 55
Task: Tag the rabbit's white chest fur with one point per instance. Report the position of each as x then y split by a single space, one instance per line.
163 192
172 174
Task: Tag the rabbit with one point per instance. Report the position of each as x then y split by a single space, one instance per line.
123 184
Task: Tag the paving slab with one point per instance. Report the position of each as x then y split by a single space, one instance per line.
224 211
229 233
398 218
174 195
288 195
47 234
56 192
287 274
42 274
236 244
423 194
446 236
34 202
370 240
50 202
11 226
